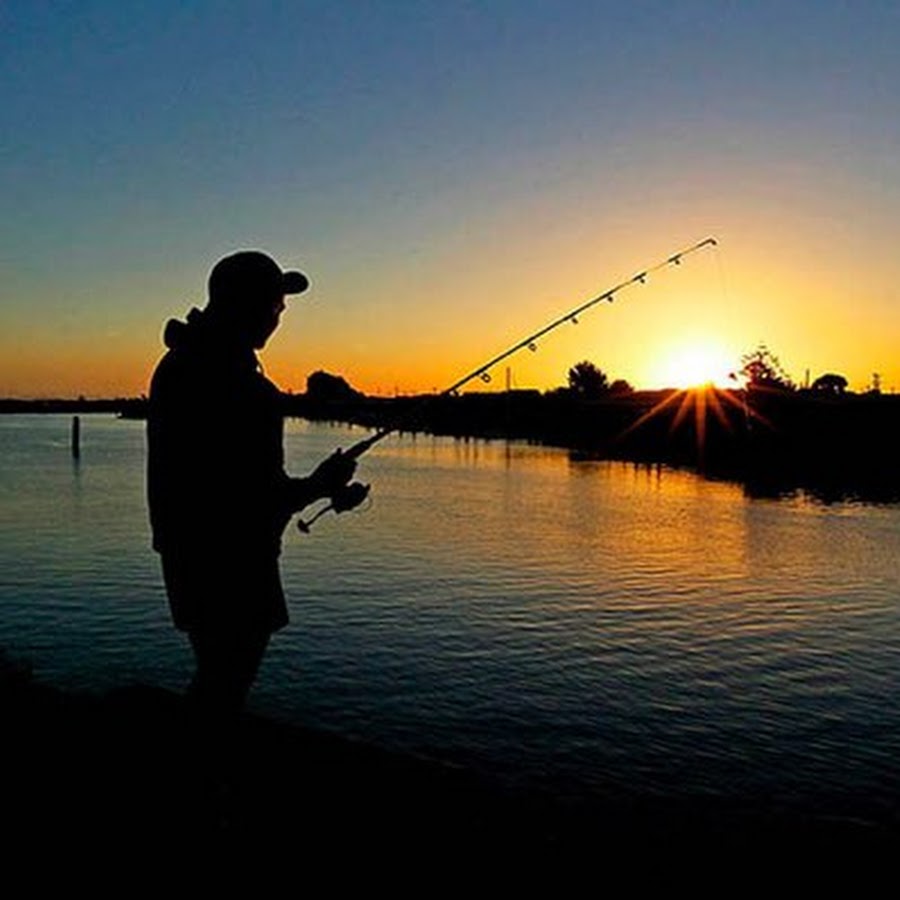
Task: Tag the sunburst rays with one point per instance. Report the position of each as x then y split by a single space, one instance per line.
706 402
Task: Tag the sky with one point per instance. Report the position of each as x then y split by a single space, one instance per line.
451 176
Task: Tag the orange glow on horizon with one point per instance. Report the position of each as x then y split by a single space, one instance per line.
685 327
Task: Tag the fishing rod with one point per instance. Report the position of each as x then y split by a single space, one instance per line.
353 494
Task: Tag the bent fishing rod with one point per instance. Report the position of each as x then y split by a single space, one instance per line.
353 494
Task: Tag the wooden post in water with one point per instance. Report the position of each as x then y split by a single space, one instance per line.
76 437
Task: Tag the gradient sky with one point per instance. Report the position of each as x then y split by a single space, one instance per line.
451 175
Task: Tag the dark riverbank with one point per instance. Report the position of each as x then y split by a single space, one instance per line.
132 767
135 765
834 446
130 407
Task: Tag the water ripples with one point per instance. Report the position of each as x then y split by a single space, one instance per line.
579 626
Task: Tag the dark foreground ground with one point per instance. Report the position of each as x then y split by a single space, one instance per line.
133 770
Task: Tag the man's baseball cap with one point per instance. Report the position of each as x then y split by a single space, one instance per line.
249 272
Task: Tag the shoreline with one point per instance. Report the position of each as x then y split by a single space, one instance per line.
132 763
774 443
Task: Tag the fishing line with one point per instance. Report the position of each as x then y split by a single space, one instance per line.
355 493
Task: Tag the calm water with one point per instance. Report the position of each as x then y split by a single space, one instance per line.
594 628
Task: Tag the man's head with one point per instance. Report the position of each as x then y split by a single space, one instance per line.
246 294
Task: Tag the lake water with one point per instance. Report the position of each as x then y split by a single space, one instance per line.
592 628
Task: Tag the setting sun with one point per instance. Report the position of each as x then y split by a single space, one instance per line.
701 363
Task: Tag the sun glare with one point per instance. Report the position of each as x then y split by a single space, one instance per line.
698 364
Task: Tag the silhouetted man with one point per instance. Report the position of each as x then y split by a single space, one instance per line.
218 493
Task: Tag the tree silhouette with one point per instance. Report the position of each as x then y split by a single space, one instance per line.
761 368
587 381
621 386
830 383
328 388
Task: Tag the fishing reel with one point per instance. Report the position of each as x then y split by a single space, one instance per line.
348 497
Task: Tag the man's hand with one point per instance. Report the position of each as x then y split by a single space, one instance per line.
327 479
332 474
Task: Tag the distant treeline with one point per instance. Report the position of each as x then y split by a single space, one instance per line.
128 407
836 445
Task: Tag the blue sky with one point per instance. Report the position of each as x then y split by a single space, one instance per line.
450 175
